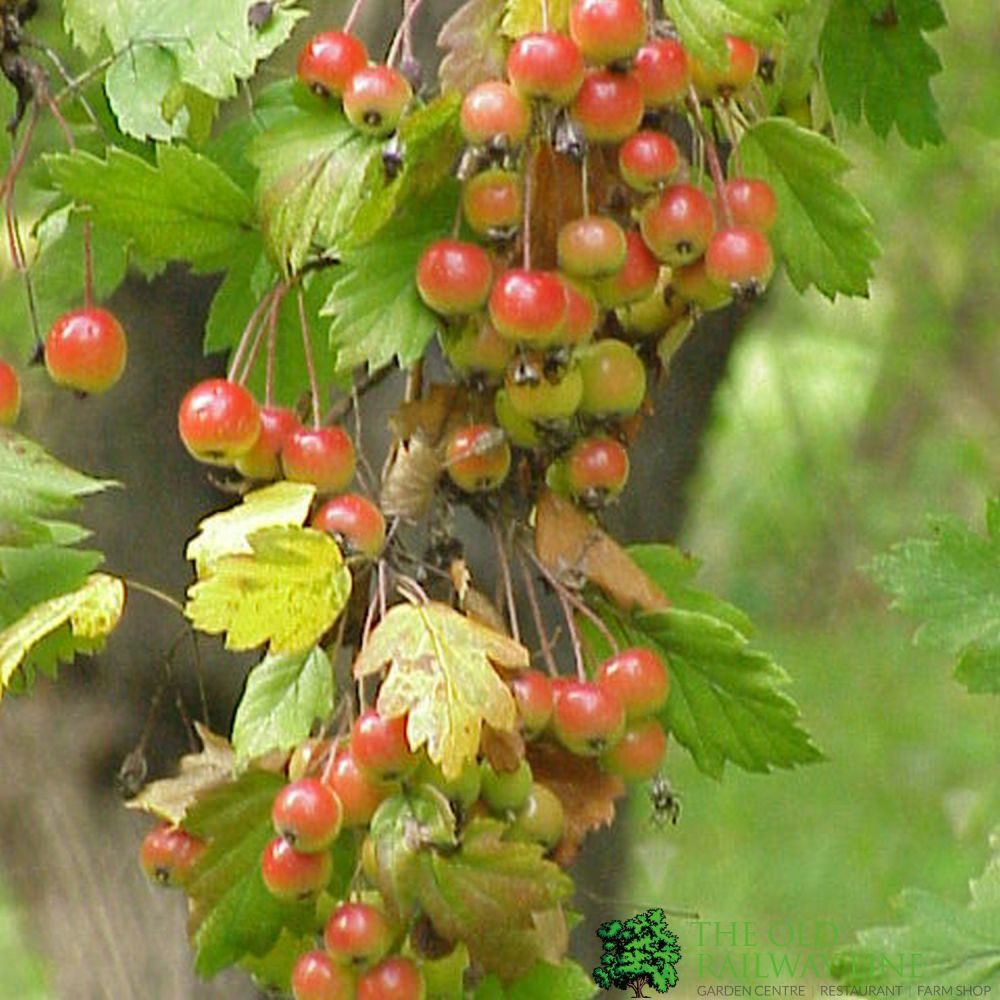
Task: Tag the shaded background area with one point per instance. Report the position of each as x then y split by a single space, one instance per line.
835 429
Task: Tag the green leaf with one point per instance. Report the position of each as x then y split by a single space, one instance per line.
567 980
285 696
521 17
378 315
951 584
877 63
182 208
938 942
823 232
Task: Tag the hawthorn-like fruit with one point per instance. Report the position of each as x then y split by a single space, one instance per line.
664 71
607 31
546 65
636 279
380 746
654 314
218 421
692 284
648 160
752 203
529 306
678 224
357 934
477 458
520 431
396 978
492 201
168 854
505 791
596 470
541 819
356 523
454 277
315 976
739 260
614 379
375 98
10 395
323 456
543 401
583 314
360 794
477 349
586 718
608 106
734 75
307 814
263 460
494 112
463 791
291 874
639 754
592 246
639 677
86 350
532 692
329 60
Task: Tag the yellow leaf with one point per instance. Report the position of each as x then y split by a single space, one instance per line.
92 612
525 16
286 590
227 533
441 673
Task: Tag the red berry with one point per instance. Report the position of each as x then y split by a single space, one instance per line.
10 395
375 98
532 692
454 277
85 350
648 160
692 284
323 456
664 72
477 458
614 379
609 105
596 470
752 203
738 69
307 814
529 306
396 978
639 677
291 874
168 854
546 65
218 421
263 460
739 260
478 350
493 111
315 976
359 793
380 746
542 400
678 224
492 202
637 278
591 247
357 933
329 60
639 754
587 718
504 791
607 31
582 316
355 521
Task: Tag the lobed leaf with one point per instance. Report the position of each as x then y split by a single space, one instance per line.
473 45
567 981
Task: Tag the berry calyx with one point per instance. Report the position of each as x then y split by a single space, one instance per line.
637 278
614 379
734 75
329 60
529 306
218 421
291 874
493 112
532 692
10 395
359 793
739 260
677 224
357 933
546 65
608 106
454 277
375 98
596 470
315 976
356 523
478 350
541 819
587 718
323 456
396 978
639 677
477 458
263 460
168 854
591 247
664 72
607 31
380 746
752 204
648 160
505 791
85 350
640 752
492 202
307 814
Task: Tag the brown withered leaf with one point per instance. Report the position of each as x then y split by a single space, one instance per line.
433 415
474 602
409 484
504 750
586 792
475 49
575 549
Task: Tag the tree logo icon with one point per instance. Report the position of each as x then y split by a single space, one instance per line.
638 952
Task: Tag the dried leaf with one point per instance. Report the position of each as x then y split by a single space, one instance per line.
575 549
504 750
587 793
473 602
474 46
433 415
409 485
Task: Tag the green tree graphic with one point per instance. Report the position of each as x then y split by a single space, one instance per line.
638 952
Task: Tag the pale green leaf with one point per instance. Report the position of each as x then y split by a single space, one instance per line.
521 17
567 981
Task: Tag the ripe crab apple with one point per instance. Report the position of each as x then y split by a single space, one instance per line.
592 246
614 379
529 306
307 814
85 350
608 106
355 521
218 421
607 31
323 456
639 754
494 112
735 74
357 933
664 72
752 203
396 978
477 458
739 260
639 677
532 692
329 60
648 160
454 277
375 98
168 854
291 874
492 201
586 717
678 223
380 746
596 470
583 314
546 65
263 460
10 395
636 279
360 794
316 976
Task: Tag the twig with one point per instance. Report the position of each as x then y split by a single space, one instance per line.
508 584
712 153
536 613
310 360
248 331
574 635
